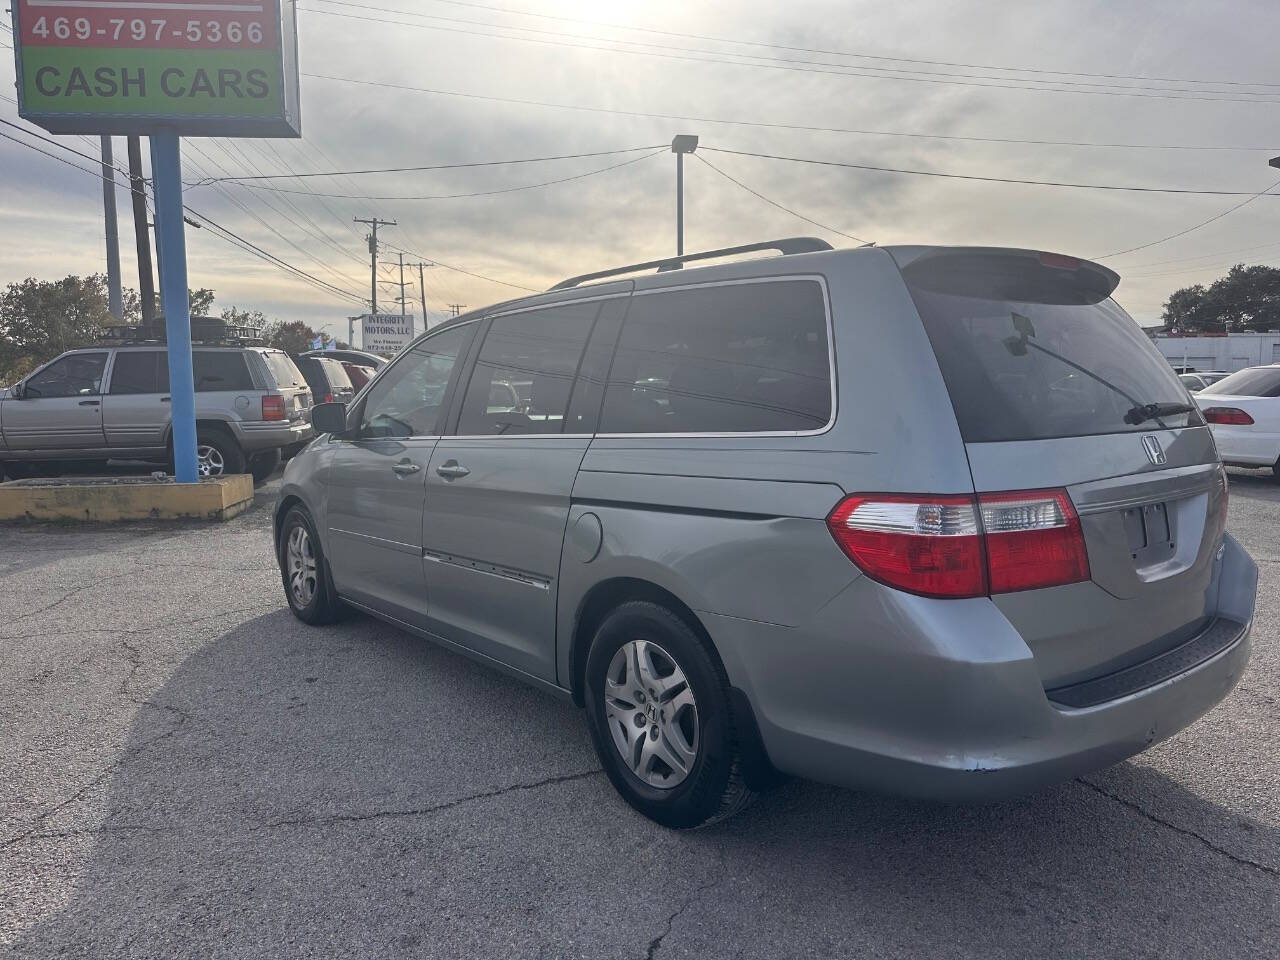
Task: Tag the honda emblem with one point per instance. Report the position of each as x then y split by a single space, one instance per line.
1155 453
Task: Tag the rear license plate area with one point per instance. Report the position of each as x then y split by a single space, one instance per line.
1149 533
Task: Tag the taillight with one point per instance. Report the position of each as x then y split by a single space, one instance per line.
957 546
1232 416
328 398
1033 540
926 545
273 407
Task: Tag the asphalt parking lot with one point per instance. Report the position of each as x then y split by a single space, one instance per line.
186 771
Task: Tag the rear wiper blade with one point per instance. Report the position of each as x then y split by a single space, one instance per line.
1154 411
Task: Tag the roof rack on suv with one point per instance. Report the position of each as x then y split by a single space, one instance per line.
785 246
204 330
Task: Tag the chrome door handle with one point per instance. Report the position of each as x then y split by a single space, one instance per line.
90 403
452 470
405 467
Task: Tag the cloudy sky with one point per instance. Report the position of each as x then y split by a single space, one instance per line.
1214 62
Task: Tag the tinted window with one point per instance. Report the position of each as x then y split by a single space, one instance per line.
220 370
336 376
75 375
1038 355
738 358
283 370
1191 381
524 373
136 371
1253 382
408 400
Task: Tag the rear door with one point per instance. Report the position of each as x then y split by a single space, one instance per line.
498 491
1050 382
60 408
377 478
288 380
135 411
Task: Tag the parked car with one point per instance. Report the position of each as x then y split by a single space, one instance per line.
937 521
101 403
1243 411
327 379
362 357
358 374
1195 382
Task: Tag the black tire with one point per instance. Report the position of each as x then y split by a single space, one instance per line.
262 465
322 607
714 788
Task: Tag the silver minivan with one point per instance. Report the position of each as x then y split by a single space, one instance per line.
935 521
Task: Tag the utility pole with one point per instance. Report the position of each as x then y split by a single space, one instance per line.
422 289
142 237
115 298
680 145
374 223
455 309
402 304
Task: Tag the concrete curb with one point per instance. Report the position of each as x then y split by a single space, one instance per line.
111 499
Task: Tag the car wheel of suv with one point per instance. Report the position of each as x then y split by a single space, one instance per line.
217 454
659 714
263 465
303 570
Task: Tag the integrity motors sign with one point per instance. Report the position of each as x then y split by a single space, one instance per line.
386 332
202 68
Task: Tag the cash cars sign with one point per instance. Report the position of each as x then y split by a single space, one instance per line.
203 68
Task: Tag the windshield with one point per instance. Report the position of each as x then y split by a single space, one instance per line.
1253 382
1026 369
283 370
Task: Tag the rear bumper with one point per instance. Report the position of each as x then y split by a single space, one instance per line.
948 703
1246 446
257 435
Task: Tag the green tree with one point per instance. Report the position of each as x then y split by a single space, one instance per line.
41 318
1247 298
245 318
201 301
294 337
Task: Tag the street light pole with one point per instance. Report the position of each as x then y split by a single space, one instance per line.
680 145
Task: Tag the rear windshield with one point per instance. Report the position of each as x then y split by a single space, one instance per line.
283 370
336 373
1030 353
1254 382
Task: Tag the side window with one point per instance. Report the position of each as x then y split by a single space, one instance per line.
524 373
75 375
736 358
220 370
135 371
408 400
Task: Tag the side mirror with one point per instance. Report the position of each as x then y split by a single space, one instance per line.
329 418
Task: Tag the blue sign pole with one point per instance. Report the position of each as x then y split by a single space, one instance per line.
171 241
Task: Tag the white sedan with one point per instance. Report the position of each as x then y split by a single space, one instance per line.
1243 410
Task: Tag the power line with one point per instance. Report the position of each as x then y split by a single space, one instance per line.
854 70
1202 223
770 125
1205 256
824 52
437 166
464 196
470 273
965 176
218 230
756 193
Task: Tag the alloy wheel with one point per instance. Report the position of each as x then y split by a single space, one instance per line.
209 462
301 560
651 713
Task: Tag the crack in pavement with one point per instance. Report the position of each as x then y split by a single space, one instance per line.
656 943
134 657
426 811
71 593
1185 831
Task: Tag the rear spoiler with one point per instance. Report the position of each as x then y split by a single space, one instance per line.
974 271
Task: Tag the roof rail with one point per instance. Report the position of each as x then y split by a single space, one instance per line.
785 246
